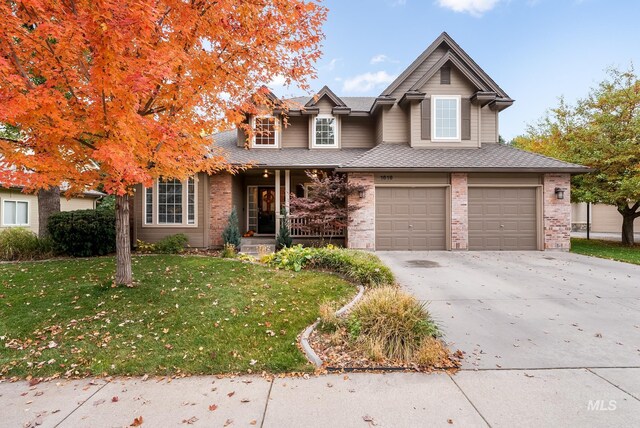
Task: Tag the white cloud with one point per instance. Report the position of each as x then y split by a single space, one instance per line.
332 64
278 80
398 2
379 58
367 81
472 7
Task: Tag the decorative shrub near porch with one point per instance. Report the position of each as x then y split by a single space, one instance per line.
359 266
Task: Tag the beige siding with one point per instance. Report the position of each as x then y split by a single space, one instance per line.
418 73
460 85
489 125
505 179
395 128
357 132
296 134
379 127
411 178
76 203
606 218
197 234
325 106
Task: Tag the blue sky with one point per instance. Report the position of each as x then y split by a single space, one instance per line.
536 50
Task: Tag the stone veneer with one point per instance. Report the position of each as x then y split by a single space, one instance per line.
361 231
557 212
221 205
459 212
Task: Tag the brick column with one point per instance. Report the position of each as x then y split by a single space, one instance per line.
459 212
557 212
221 206
361 231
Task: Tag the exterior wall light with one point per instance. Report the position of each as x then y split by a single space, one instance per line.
560 192
266 174
361 194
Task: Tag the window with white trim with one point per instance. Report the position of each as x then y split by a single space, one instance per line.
266 131
324 131
171 202
15 213
446 118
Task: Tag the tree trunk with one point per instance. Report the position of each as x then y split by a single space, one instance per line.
48 204
627 228
123 242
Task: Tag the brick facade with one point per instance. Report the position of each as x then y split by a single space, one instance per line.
557 212
221 204
361 231
459 212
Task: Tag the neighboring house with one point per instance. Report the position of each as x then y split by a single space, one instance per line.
604 218
18 209
426 148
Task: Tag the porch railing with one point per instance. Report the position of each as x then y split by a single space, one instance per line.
298 229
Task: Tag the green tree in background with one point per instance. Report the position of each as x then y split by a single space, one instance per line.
601 131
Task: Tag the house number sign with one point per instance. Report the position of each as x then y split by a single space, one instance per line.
386 177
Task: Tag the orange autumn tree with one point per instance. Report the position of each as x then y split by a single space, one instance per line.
118 93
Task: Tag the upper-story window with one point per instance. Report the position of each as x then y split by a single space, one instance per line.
324 131
445 118
266 131
171 203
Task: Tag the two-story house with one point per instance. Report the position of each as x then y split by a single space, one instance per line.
426 149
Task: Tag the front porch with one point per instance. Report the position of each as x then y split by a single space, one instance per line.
259 196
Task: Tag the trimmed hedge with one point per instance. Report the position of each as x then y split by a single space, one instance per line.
359 266
83 233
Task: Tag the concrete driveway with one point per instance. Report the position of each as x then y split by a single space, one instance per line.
529 310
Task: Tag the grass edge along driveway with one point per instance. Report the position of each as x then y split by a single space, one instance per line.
606 250
186 315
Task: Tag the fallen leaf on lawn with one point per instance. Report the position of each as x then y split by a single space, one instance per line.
528 375
137 422
213 407
99 402
34 381
144 378
368 419
253 422
227 422
245 400
450 421
346 377
598 334
114 399
231 394
39 393
192 420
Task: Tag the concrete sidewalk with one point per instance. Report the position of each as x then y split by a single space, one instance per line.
536 398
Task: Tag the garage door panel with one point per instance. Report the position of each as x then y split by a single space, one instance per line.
502 218
415 221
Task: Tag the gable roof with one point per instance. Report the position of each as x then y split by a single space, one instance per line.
464 59
362 104
325 92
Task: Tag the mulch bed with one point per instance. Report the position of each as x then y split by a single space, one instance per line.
342 355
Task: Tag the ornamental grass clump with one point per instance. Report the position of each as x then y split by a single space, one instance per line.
392 324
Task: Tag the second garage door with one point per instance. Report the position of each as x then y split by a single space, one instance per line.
502 218
411 218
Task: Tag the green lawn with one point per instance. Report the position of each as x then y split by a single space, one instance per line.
606 250
187 314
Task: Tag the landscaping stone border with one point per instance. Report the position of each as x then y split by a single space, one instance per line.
304 337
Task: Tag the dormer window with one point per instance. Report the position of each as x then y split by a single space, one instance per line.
324 131
266 131
446 118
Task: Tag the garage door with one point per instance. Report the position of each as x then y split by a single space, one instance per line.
411 218
502 218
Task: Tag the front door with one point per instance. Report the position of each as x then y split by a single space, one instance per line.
266 210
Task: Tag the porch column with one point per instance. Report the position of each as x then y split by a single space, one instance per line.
361 229
277 177
459 212
557 212
287 189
